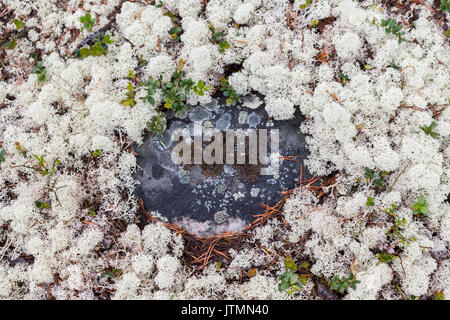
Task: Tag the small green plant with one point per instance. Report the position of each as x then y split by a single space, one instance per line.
394 66
445 6
92 212
158 123
97 153
98 48
386 257
229 92
369 202
217 38
391 26
130 94
314 23
305 5
19 148
394 234
200 88
11 44
429 130
111 273
252 272
41 72
174 94
289 280
43 168
420 207
2 155
18 23
175 33
42 205
341 284
344 79
387 249
87 21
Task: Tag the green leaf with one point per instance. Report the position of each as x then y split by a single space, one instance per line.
97 153
10 44
421 200
108 39
42 205
369 202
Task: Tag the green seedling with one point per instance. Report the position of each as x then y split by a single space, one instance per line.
43 168
341 284
158 123
314 23
344 79
289 280
11 43
42 205
87 21
131 94
395 233
252 272
445 6
41 72
112 273
2 155
372 177
229 92
200 88
386 257
394 66
18 23
175 33
21 150
131 90
100 47
391 26
174 95
369 202
305 5
217 38
429 130
439 295
97 153
420 207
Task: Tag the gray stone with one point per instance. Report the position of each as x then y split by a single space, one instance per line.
220 216
242 117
